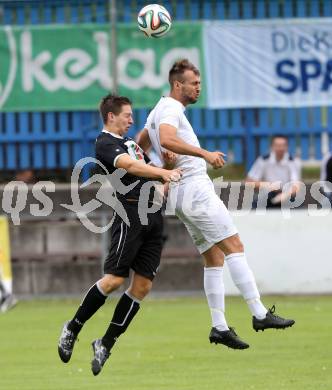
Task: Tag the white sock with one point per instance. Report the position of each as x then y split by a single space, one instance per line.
8 286
215 294
245 281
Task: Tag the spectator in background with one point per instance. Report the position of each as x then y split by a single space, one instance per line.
276 167
326 175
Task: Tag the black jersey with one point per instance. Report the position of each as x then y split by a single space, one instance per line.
109 148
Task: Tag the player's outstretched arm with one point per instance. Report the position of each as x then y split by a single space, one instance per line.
138 168
169 140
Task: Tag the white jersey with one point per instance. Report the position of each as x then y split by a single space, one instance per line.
171 112
194 200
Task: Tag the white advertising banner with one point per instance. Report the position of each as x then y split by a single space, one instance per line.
275 63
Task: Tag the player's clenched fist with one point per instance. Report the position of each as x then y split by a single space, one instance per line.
171 175
215 159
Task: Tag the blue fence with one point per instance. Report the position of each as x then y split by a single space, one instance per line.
55 140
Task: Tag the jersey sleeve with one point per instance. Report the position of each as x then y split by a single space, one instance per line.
109 152
256 171
170 116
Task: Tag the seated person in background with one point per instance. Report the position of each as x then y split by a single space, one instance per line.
326 175
276 167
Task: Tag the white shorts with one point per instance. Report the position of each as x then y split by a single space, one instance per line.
204 214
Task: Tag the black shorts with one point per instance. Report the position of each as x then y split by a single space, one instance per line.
137 247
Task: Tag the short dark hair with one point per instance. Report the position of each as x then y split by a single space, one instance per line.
178 69
112 103
279 136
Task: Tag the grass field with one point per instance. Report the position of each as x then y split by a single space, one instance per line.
167 348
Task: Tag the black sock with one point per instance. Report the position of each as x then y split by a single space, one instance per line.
93 301
124 312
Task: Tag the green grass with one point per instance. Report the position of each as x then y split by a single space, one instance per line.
167 348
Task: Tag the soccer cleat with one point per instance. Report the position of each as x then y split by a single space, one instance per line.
8 303
101 354
66 343
228 338
271 321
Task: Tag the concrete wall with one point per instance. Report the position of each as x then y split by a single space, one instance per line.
288 255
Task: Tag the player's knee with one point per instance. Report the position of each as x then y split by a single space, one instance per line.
232 245
236 245
144 291
110 283
239 247
140 290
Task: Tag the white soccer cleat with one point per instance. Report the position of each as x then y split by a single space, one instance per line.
8 303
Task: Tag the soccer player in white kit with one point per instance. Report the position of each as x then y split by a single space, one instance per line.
201 210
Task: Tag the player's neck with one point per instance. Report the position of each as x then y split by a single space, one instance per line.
113 130
177 97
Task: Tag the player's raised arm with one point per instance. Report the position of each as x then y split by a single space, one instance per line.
136 168
169 140
143 140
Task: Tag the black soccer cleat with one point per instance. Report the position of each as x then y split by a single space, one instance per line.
271 321
228 338
66 343
101 354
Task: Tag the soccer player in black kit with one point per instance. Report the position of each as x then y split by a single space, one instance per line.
137 246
